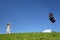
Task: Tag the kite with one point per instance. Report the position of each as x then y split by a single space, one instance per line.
51 18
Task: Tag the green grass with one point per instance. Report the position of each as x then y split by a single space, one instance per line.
30 36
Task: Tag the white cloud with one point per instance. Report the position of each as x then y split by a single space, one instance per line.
48 30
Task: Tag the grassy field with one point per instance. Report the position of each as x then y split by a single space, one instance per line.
30 36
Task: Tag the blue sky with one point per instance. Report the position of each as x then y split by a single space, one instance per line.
29 15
